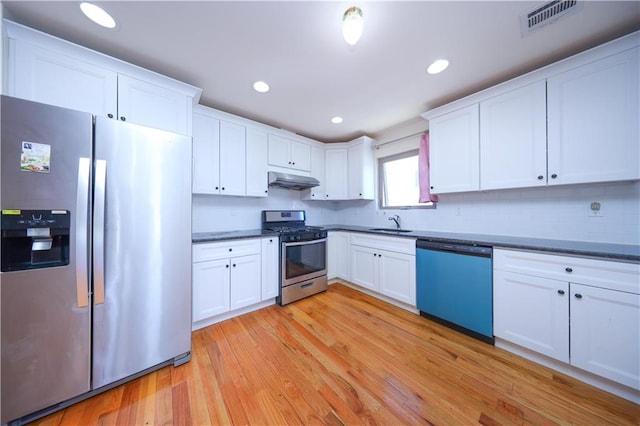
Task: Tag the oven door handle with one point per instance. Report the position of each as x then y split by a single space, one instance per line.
301 243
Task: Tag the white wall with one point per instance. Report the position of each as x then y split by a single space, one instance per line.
221 213
553 213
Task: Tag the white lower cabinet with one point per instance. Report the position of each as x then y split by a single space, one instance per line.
532 312
246 281
364 267
210 288
270 268
386 265
397 272
584 312
226 276
339 245
605 333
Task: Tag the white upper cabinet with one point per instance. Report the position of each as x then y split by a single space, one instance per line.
150 105
232 159
228 157
454 151
513 138
360 184
317 171
575 121
290 154
45 76
49 70
206 153
336 163
256 156
594 118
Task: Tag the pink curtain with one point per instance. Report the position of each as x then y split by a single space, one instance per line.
423 171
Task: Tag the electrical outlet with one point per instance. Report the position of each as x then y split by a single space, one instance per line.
595 209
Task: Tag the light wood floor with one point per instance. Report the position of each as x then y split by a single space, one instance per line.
342 357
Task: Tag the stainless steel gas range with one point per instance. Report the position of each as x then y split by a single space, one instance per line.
303 254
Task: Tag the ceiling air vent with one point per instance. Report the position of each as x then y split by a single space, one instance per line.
547 13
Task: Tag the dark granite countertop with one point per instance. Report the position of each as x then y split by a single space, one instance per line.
211 237
576 248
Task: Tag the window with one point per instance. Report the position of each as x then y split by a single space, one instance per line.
399 183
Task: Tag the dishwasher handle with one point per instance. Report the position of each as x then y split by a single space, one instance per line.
459 248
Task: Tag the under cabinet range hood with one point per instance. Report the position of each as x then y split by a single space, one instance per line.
289 181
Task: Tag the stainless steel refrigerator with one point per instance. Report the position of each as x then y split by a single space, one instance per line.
95 284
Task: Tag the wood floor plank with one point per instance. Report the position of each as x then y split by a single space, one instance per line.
344 358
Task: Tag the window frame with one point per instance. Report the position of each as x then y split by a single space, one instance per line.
382 187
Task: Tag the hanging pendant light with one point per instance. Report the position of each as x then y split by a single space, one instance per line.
352 25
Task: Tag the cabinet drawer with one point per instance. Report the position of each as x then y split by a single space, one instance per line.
594 272
224 249
399 245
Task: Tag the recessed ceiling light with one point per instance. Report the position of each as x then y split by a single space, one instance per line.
438 66
352 25
336 120
261 86
97 15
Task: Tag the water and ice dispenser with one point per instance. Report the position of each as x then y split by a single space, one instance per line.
33 239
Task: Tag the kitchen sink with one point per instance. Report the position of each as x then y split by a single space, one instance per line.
390 230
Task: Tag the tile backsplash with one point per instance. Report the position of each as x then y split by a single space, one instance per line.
551 212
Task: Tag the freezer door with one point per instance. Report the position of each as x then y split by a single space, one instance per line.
142 249
45 316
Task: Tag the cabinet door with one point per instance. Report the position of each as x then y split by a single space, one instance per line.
454 151
532 312
364 267
360 172
336 175
206 154
232 159
339 257
513 138
256 163
279 151
605 330
210 288
151 105
332 255
48 77
344 246
300 156
398 276
318 172
270 268
246 281
593 119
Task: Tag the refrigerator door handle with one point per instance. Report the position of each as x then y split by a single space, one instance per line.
99 203
82 217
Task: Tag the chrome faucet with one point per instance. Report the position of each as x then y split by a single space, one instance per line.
396 219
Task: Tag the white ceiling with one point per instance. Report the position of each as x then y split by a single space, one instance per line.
297 47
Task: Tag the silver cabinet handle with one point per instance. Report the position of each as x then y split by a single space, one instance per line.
99 206
82 218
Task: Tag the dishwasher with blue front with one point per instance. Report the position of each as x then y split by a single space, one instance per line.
454 286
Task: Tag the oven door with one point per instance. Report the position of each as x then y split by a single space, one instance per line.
303 260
